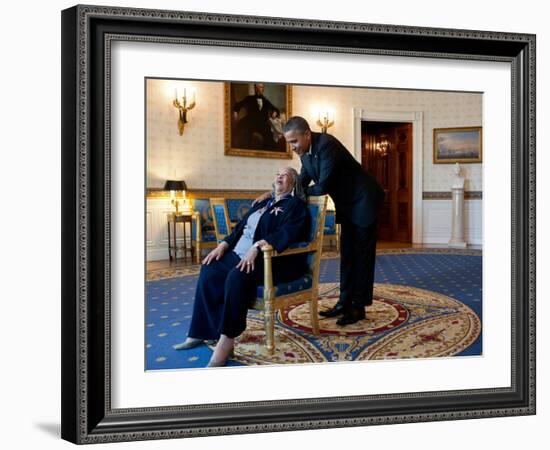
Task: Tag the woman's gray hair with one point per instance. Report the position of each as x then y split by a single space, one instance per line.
297 189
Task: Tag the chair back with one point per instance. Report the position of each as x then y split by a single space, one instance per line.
317 207
201 208
238 207
330 223
220 217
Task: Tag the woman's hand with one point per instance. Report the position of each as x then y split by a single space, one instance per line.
261 243
216 254
246 264
261 198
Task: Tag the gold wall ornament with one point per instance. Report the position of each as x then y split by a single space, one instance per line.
325 120
183 108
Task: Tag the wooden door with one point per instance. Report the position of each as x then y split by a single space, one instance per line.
387 154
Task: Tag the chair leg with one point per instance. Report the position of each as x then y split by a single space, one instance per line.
314 314
198 253
269 321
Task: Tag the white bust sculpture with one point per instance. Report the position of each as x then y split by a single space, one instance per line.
458 180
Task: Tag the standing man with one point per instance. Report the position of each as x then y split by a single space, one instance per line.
357 197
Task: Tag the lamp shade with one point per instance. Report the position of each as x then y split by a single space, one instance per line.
175 185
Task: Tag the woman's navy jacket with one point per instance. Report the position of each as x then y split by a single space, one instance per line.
284 223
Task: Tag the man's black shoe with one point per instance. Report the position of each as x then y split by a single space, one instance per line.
351 316
336 310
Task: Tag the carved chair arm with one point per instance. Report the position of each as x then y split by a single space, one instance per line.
295 249
269 253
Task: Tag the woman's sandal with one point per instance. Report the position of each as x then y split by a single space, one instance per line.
188 343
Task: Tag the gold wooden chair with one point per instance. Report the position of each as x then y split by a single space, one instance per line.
332 230
220 217
271 298
203 236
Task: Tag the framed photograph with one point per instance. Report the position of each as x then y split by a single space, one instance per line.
254 117
395 328
109 55
458 145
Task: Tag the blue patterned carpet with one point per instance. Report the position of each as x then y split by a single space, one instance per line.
454 278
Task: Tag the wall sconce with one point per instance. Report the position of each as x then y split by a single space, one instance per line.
183 107
174 187
382 145
325 120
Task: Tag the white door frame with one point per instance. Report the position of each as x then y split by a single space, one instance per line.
414 117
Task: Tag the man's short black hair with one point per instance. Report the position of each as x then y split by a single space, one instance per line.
296 123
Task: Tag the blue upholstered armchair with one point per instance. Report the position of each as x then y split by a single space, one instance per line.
227 212
203 235
237 208
332 230
271 298
220 218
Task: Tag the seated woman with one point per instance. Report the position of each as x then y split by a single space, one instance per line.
231 273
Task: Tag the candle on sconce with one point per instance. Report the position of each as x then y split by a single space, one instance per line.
325 119
184 106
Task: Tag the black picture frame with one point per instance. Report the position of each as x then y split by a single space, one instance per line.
87 415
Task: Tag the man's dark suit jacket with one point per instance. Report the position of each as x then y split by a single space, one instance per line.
356 194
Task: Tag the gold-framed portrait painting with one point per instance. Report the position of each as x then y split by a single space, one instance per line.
254 116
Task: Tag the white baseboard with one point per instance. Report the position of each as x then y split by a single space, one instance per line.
157 254
437 224
442 241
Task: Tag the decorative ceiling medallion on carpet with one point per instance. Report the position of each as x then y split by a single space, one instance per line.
403 322
383 315
291 348
439 326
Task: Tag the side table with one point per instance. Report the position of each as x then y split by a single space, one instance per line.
173 220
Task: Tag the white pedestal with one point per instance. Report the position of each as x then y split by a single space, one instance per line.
457 233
